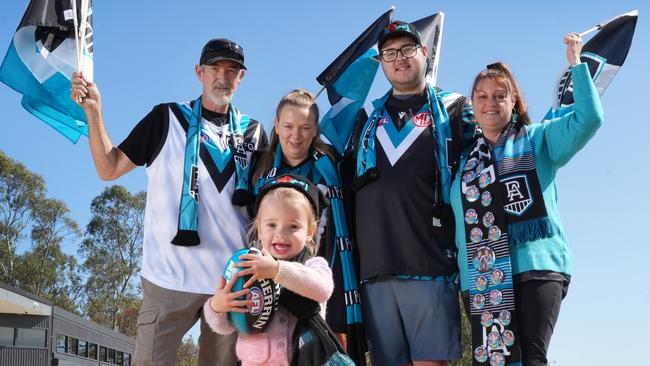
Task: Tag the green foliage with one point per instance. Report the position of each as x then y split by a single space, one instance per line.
188 353
20 190
45 270
112 248
42 269
127 317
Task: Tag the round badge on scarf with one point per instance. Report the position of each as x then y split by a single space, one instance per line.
504 317
487 319
486 198
496 297
484 180
478 301
469 176
476 235
488 219
508 338
481 354
484 259
470 164
497 277
494 233
479 167
472 193
497 359
481 283
471 216
494 340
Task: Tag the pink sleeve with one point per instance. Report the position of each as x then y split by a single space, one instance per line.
217 321
312 279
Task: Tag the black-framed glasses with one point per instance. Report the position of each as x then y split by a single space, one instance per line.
408 51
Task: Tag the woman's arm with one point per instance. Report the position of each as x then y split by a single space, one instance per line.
567 135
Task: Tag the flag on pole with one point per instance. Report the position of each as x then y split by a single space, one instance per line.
53 40
605 53
347 81
430 29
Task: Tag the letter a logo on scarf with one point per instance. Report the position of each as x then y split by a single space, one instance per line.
518 198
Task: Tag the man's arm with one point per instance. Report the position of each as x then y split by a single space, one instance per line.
110 162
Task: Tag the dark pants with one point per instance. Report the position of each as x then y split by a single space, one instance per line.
538 306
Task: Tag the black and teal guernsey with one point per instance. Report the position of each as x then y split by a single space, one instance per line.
394 212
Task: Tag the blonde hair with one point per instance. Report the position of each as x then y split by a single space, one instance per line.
300 98
287 194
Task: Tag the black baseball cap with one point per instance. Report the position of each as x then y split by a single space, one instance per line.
315 196
222 49
398 29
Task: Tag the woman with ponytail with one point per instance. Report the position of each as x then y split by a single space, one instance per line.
514 259
296 148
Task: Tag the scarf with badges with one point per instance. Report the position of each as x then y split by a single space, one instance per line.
188 216
366 170
503 205
343 242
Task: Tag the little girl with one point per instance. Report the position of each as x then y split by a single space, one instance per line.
285 226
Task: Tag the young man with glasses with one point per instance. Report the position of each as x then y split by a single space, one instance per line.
205 146
404 154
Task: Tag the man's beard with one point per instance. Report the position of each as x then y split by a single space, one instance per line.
219 98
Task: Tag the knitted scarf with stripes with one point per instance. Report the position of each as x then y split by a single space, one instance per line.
502 205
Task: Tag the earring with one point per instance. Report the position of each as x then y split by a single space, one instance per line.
515 115
479 128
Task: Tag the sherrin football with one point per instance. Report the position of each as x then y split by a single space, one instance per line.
262 300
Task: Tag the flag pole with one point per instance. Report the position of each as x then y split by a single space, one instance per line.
82 32
320 92
76 41
76 30
598 27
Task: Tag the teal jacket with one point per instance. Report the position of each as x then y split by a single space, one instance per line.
554 143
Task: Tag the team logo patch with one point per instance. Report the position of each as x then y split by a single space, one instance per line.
422 119
518 198
204 137
382 121
255 301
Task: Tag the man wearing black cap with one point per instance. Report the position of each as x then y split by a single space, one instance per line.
195 152
404 155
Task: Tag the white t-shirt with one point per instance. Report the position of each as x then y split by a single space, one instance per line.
195 269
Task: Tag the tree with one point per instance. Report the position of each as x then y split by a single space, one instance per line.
113 251
188 353
45 270
127 318
20 189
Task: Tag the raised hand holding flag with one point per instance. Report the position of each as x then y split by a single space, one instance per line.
53 40
605 53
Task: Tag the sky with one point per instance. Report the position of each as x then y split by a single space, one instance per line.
145 52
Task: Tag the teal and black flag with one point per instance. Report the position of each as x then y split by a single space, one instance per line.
347 80
430 29
605 53
53 40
